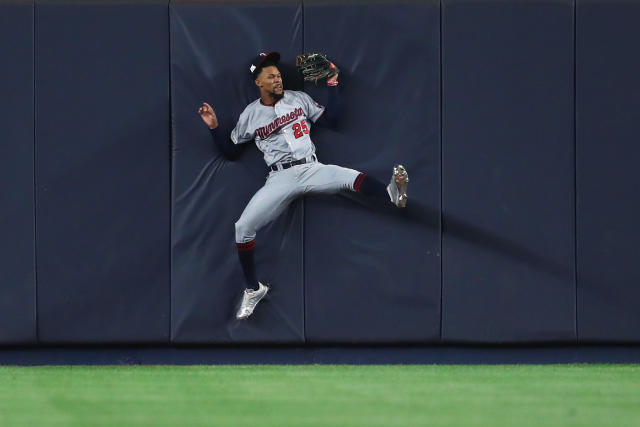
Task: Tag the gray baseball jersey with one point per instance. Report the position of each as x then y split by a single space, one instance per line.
282 132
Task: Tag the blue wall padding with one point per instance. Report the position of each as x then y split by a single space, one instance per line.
211 49
517 122
372 273
608 114
17 271
508 172
102 172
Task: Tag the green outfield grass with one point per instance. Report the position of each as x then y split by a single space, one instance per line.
321 395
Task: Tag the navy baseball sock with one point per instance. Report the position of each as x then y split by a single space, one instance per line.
369 186
245 253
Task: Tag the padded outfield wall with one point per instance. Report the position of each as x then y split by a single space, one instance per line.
517 122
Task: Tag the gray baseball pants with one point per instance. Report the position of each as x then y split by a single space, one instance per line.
284 186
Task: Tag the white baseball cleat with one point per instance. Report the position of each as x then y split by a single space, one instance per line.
397 188
250 299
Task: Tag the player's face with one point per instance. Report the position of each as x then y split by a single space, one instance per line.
270 81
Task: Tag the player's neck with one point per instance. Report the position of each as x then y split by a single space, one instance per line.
268 99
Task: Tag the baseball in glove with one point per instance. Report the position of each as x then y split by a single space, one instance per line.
315 66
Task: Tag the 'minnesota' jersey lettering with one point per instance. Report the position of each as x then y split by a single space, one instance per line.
282 130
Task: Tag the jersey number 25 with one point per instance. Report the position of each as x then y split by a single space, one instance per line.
299 128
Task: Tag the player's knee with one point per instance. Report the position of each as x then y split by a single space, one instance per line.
244 231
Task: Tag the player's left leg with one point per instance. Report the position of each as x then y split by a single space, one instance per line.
328 179
322 178
396 190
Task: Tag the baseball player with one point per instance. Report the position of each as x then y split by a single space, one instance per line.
280 123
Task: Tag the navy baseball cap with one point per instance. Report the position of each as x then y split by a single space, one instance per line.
273 57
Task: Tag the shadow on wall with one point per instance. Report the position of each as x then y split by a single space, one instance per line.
428 216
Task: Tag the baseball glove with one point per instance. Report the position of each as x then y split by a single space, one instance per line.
315 66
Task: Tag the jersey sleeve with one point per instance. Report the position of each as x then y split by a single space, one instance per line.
241 133
311 108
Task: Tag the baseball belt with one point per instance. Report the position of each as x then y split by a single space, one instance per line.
286 165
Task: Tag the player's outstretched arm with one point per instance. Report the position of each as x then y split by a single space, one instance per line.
230 150
333 110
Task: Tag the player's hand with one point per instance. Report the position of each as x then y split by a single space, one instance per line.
208 115
333 80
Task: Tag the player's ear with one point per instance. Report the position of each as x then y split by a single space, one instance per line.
257 82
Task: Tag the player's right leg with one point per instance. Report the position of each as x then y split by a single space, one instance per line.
266 205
